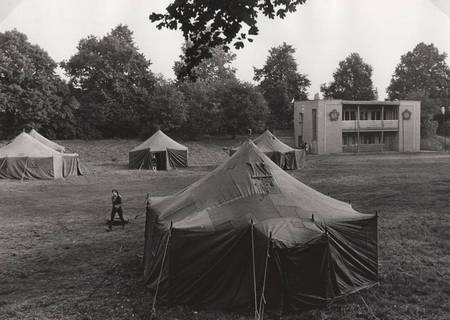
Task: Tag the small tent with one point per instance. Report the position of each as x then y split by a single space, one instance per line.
71 161
249 232
27 158
283 155
169 154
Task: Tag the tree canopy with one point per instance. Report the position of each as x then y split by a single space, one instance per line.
210 23
351 81
422 74
280 83
31 94
166 109
113 83
217 67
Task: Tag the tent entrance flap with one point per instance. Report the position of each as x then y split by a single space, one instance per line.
161 159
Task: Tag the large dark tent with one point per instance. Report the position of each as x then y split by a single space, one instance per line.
206 246
71 161
283 155
169 154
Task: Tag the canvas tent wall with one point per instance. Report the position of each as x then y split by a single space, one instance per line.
283 155
169 153
71 161
27 158
248 229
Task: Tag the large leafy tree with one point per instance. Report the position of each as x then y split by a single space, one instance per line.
202 96
211 23
216 68
31 94
351 81
280 82
242 107
113 83
422 74
166 109
202 104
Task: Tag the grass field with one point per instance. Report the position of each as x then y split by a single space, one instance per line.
58 262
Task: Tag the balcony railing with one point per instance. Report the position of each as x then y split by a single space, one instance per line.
369 124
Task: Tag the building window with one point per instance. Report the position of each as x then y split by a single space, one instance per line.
349 115
348 139
363 115
391 114
300 142
375 115
314 124
370 138
300 122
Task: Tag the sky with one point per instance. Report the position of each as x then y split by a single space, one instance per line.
323 32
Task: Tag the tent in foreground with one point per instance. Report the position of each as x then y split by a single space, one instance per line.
169 154
283 155
249 230
71 161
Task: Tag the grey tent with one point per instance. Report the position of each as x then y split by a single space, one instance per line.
169 154
27 158
249 232
283 155
71 161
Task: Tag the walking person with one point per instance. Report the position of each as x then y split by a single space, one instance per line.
116 200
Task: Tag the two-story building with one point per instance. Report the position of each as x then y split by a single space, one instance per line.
334 126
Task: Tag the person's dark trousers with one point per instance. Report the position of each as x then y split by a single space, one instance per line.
113 214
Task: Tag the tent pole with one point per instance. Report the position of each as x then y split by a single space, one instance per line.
254 271
24 170
262 301
153 311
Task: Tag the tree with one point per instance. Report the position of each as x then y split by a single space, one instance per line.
217 67
202 103
424 75
31 94
113 83
242 107
211 23
351 81
166 109
280 83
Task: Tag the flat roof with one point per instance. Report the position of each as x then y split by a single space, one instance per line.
374 102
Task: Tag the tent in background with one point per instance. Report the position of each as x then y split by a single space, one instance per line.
71 161
249 229
169 154
283 155
27 158
46 141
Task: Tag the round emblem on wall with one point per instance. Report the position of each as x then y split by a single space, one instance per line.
334 115
406 114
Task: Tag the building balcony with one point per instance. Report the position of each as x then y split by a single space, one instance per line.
352 125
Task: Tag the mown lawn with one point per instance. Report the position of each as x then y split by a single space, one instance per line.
58 262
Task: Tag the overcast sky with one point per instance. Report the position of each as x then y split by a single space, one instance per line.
322 31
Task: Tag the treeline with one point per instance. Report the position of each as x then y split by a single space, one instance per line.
109 89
